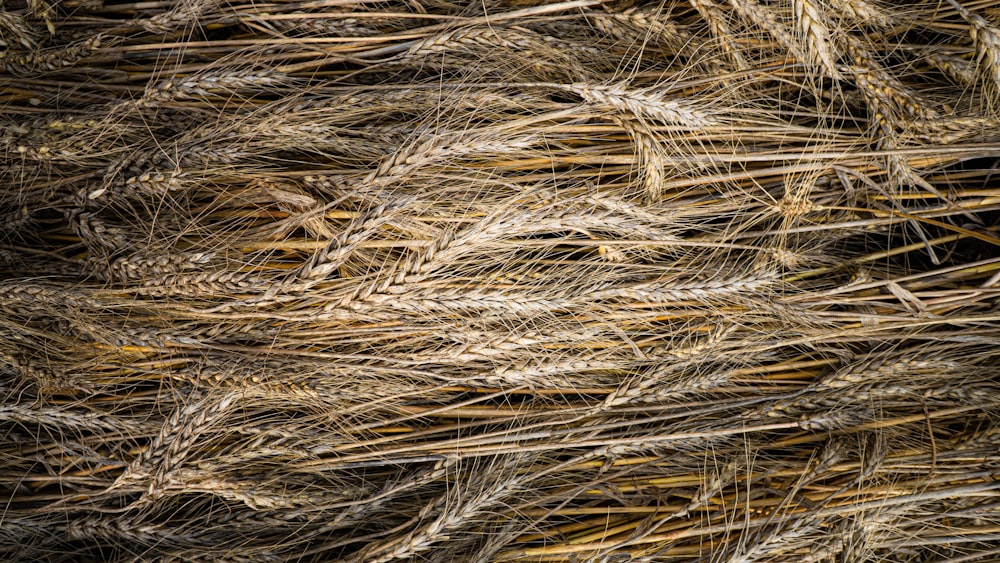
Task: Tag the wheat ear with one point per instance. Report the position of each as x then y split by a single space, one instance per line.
810 17
710 12
863 12
987 40
648 149
646 105
49 59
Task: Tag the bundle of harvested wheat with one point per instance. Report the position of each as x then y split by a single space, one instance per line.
434 280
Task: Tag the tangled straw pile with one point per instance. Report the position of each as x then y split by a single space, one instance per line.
500 281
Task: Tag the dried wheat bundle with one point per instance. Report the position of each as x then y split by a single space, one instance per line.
430 280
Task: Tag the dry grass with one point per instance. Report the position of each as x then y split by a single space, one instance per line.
500 281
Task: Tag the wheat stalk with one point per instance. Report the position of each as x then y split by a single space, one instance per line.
498 281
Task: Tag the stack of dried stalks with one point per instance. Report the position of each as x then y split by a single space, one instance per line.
500 281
